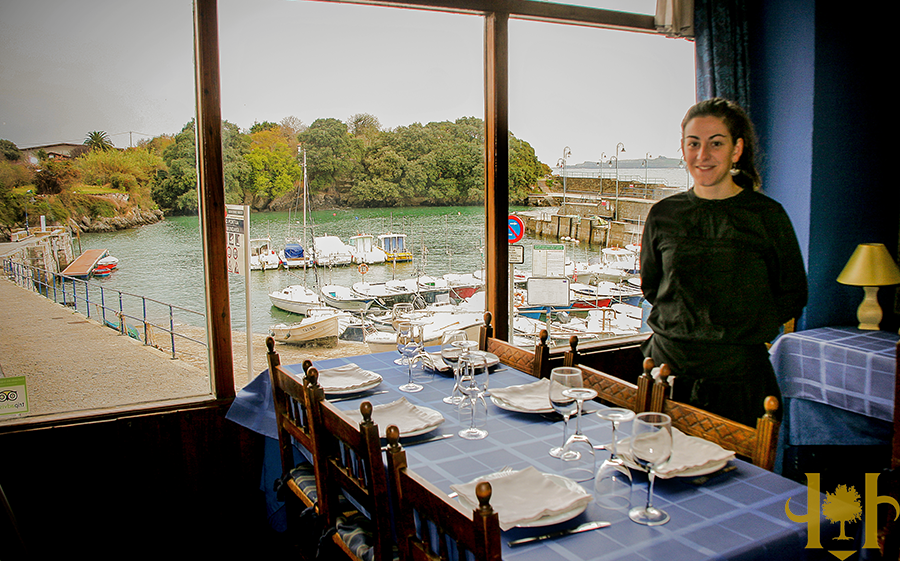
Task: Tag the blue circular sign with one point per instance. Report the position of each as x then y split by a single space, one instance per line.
516 228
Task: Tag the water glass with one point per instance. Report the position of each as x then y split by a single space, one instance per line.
613 483
578 452
472 382
561 378
651 448
410 342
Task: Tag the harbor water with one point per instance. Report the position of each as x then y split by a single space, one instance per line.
164 261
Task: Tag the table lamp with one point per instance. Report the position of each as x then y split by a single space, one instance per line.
870 266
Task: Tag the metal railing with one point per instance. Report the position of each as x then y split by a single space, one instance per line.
83 295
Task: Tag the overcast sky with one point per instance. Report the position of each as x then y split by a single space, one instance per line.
126 67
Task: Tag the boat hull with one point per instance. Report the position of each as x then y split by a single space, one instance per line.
311 331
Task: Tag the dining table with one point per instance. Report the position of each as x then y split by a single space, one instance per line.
734 513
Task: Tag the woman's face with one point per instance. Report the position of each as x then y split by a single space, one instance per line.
710 151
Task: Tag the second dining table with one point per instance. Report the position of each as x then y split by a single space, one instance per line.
738 514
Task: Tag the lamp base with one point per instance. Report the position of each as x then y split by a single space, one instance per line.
869 312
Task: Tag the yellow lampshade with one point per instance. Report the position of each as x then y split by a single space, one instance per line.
870 266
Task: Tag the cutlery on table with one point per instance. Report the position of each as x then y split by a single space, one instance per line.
587 526
422 441
356 396
703 479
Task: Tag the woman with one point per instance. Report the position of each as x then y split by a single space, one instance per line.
722 267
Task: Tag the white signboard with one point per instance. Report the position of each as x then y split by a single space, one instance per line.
548 261
548 291
237 227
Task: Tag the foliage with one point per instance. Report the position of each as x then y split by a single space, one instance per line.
125 171
328 149
9 150
53 175
98 140
181 173
264 126
273 164
14 175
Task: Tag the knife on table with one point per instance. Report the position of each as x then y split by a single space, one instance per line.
356 396
587 526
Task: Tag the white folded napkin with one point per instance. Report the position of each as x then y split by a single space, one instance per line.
520 497
346 378
689 453
409 418
527 397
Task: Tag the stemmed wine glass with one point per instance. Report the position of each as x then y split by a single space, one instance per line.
472 383
410 342
613 483
452 350
578 452
398 312
651 448
563 377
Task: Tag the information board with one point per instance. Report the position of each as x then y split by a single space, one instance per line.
236 227
548 261
516 254
548 291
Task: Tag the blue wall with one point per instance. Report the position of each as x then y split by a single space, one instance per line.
815 96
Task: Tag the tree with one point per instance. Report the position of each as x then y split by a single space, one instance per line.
53 176
327 146
9 150
842 506
273 164
98 140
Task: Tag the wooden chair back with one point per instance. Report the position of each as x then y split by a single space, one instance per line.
756 444
292 405
611 390
352 466
536 363
477 533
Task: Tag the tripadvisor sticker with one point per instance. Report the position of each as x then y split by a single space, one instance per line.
13 396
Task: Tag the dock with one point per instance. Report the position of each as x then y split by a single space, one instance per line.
85 263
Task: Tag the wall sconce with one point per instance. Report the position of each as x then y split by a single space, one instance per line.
870 267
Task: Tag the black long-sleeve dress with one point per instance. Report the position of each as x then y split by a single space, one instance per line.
722 276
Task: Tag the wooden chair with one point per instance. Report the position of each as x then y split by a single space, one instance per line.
478 533
292 406
610 389
536 363
349 459
756 444
890 531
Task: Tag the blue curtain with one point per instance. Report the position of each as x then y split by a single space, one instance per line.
722 43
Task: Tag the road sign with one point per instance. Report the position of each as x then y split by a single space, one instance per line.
236 228
516 228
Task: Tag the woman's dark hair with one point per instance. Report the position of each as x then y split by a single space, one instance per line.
739 126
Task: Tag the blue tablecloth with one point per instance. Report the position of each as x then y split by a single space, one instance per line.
740 515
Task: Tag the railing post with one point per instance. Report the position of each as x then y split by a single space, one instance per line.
172 330
87 300
144 319
102 305
121 314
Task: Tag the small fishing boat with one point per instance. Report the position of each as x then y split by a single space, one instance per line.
318 330
364 250
294 256
262 256
330 251
297 299
105 267
394 247
435 326
385 293
343 298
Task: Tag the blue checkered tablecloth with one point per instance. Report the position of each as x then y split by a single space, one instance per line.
740 515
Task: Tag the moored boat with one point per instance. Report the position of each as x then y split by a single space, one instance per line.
311 330
294 256
330 251
394 247
435 326
262 256
364 250
343 298
296 298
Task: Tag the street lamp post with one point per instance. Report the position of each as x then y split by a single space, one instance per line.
646 169
616 212
566 153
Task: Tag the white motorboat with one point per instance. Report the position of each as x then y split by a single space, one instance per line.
394 246
435 326
364 250
343 298
296 299
323 330
294 256
330 251
262 256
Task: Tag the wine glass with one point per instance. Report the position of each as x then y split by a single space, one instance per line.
563 377
472 381
454 350
398 312
651 448
613 483
578 452
410 342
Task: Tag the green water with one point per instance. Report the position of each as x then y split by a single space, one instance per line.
164 261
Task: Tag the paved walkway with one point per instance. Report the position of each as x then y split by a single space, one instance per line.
72 363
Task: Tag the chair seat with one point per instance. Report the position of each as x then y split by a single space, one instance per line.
304 477
355 530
